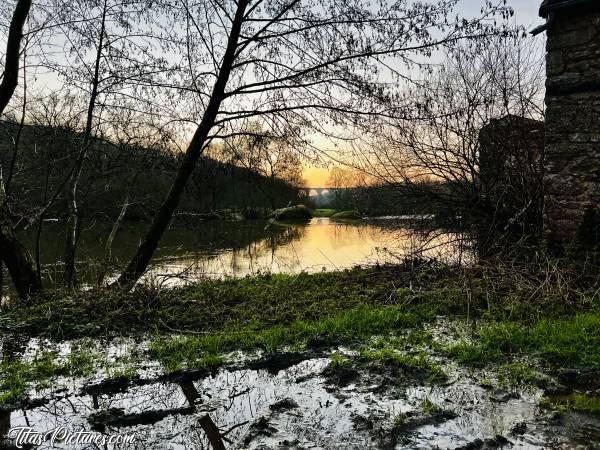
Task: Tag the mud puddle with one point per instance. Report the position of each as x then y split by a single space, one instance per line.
310 404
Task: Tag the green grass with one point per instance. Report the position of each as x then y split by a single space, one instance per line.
121 372
14 381
323 212
339 361
390 355
573 341
277 300
517 374
346 215
585 403
577 401
220 305
472 353
273 311
18 376
399 419
428 407
356 325
292 213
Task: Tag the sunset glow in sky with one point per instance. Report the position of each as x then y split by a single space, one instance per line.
316 176
526 14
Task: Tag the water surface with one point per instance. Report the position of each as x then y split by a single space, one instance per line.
217 249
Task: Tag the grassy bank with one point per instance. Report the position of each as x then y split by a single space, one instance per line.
570 341
215 305
323 212
346 215
265 301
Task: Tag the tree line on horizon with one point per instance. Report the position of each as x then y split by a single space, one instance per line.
118 174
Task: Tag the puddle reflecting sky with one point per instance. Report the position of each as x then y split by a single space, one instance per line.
165 415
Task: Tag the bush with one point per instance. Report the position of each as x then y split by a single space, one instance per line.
298 212
323 212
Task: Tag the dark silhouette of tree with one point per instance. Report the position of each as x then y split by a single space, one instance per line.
110 58
437 156
15 256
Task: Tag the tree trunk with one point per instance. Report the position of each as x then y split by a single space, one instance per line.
1 282
13 161
139 263
109 240
73 220
212 432
13 46
15 256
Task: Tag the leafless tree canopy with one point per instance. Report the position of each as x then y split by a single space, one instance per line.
436 150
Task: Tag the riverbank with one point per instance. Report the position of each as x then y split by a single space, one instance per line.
508 331
422 289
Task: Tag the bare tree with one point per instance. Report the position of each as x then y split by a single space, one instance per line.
295 64
15 256
269 156
436 152
341 181
10 76
111 56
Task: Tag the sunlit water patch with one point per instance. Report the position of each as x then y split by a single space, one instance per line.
227 248
320 245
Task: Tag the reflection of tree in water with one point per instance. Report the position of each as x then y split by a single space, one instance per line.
224 248
4 428
180 242
190 413
278 236
215 236
157 414
404 240
234 252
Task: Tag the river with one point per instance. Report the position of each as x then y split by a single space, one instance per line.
216 249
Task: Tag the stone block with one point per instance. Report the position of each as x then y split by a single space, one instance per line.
563 37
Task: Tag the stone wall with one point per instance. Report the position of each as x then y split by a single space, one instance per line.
510 170
572 160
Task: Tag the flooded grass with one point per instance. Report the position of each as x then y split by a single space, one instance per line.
388 357
41 369
575 401
353 326
215 305
272 300
518 374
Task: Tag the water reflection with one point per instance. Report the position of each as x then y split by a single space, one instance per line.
221 248
320 245
297 408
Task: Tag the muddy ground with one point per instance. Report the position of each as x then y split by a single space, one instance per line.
318 397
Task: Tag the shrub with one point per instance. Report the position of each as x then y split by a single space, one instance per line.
298 212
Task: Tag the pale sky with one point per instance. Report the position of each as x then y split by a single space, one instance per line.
526 14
